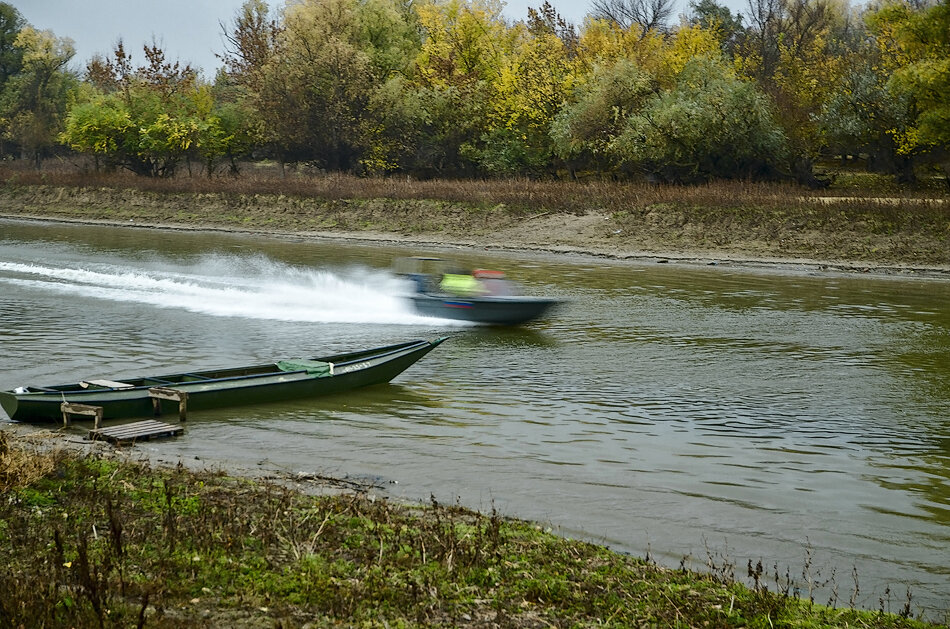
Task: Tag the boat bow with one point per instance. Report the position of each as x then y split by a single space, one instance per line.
9 403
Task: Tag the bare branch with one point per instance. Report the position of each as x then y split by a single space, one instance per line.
647 14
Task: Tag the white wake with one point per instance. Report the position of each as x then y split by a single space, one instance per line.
227 286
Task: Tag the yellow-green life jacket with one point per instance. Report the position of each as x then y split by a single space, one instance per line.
461 284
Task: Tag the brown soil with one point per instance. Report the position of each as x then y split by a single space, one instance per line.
898 238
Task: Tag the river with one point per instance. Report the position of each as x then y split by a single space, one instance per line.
699 414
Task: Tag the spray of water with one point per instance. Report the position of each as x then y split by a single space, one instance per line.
229 286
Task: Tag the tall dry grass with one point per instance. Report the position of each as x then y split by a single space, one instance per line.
845 225
527 194
24 460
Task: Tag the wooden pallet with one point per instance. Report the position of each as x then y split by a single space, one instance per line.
136 431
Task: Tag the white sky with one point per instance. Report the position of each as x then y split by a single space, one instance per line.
187 30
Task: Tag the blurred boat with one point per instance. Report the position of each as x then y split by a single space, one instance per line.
481 296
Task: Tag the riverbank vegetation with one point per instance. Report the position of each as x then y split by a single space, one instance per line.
746 220
100 540
451 89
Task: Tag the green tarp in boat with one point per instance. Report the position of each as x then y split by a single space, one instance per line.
315 368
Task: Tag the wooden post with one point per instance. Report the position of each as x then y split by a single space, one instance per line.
69 409
164 393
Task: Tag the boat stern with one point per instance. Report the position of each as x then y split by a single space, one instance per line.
9 403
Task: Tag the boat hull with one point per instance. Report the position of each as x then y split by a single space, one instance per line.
488 310
238 387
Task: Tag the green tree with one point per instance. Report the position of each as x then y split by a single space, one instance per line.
146 119
389 32
718 18
423 129
862 118
917 43
11 55
710 125
34 100
584 129
223 133
99 125
327 83
310 76
250 43
244 84
788 48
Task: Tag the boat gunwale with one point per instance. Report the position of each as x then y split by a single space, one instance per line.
362 356
493 299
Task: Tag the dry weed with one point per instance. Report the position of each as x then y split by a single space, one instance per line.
25 459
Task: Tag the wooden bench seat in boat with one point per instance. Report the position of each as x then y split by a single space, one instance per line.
109 384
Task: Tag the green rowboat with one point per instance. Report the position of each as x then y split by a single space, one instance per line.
239 386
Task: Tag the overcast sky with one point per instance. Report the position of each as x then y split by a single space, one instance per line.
187 30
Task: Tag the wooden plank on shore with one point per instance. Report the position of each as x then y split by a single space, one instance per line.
136 431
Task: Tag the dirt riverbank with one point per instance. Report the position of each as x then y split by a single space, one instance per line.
842 234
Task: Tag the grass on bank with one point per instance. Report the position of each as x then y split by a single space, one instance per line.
95 541
517 193
743 218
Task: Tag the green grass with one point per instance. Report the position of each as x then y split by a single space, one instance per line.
100 542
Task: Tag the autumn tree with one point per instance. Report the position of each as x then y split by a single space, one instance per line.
464 49
148 119
916 51
33 101
537 77
787 50
602 43
646 15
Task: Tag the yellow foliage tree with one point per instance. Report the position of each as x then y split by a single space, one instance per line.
915 49
689 42
536 79
465 41
602 42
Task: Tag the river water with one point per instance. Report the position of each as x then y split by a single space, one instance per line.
693 413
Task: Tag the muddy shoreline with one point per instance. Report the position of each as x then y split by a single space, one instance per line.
910 237
591 250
